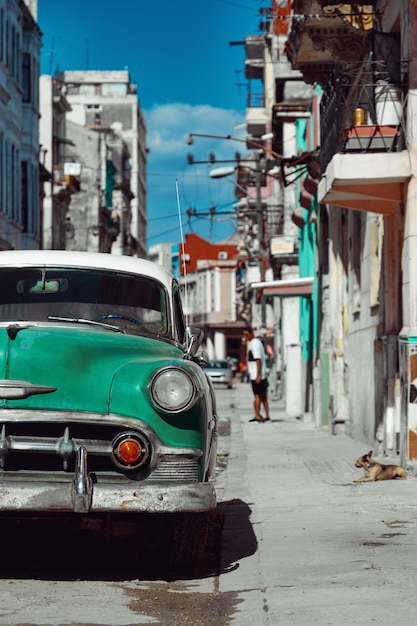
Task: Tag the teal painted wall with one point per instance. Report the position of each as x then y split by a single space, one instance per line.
307 256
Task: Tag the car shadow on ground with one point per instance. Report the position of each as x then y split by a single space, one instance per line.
46 549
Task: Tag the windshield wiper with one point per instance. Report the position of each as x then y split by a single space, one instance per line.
79 320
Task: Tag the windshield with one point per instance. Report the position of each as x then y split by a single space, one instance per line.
224 365
133 303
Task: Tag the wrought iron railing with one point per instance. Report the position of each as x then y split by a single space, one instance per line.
256 100
361 112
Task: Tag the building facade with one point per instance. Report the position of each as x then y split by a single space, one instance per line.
366 230
342 114
20 43
57 194
105 104
208 275
279 106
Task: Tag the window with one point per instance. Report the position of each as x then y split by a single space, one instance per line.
179 325
72 89
26 77
33 214
2 37
24 193
2 172
13 181
114 89
87 90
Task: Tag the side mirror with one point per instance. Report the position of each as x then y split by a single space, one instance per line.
201 358
192 340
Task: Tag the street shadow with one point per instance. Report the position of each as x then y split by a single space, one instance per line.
238 540
53 549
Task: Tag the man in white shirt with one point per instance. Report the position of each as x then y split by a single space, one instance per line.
257 364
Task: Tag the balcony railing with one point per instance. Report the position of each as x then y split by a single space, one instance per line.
362 113
256 100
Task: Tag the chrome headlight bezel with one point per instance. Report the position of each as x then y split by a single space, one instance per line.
167 381
143 458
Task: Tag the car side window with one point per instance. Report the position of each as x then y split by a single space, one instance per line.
179 323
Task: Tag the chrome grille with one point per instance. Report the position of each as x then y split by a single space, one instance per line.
29 446
184 470
52 446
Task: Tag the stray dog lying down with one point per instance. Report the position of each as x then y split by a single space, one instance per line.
378 471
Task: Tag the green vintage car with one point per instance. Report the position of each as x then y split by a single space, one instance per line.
105 406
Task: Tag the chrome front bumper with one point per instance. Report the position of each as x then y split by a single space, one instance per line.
82 495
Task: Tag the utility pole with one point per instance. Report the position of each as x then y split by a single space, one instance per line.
258 147
261 233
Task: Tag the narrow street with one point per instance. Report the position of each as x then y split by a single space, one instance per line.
301 544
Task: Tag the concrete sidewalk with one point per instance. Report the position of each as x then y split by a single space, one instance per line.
325 550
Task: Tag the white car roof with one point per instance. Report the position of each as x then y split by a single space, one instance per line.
94 260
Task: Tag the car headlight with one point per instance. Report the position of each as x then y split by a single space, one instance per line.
173 389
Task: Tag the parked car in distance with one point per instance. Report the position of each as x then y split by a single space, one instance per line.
104 404
220 372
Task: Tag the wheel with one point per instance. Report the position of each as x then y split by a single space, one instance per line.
186 541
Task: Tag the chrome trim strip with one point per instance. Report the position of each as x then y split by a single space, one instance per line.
20 389
64 417
168 465
155 498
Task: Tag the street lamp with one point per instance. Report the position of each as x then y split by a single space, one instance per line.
222 172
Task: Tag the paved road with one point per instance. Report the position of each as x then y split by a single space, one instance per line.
328 550
302 544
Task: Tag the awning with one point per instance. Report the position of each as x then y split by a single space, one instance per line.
371 182
60 139
286 288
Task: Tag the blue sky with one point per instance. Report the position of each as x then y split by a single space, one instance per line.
189 79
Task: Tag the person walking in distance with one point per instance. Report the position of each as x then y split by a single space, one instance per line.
257 364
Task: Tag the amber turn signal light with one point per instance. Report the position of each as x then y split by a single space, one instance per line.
130 451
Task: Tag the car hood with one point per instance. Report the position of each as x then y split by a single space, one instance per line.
84 367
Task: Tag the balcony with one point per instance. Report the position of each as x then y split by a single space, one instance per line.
256 115
254 57
363 159
320 34
364 162
289 111
61 103
254 47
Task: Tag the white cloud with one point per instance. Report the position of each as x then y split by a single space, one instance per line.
168 127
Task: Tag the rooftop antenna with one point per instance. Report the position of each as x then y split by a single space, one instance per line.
51 56
87 60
